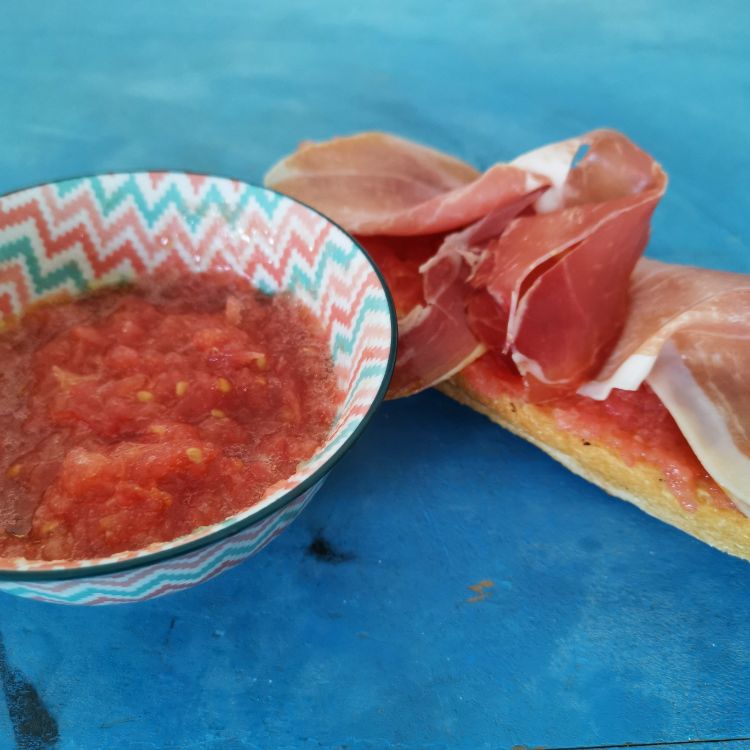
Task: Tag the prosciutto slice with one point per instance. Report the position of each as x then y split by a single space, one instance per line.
520 248
435 339
688 336
560 276
375 183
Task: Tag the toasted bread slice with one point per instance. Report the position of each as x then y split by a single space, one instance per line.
643 485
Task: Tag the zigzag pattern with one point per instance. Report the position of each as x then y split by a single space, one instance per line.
157 580
70 235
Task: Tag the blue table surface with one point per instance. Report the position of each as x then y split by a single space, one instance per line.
602 625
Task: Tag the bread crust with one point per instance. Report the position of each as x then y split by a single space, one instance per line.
643 484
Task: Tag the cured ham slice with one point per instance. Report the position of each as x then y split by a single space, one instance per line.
422 359
688 336
375 183
561 277
435 339
522 248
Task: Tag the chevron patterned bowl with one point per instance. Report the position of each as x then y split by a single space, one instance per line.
83 233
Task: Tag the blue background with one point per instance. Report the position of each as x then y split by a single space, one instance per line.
603 626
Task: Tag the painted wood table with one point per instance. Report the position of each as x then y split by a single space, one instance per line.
451 586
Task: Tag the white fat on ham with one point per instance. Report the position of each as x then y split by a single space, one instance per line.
703 423
688 337
553 162
627 377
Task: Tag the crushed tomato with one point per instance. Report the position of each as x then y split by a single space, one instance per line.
634 423
137 415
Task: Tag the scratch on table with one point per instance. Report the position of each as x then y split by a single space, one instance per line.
169 631
435 531
117 722
481 590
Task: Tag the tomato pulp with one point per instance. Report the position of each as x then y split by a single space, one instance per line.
634 423
137 415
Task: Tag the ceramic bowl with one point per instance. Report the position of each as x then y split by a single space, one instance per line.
92 231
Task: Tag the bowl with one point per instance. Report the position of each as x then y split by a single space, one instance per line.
75 235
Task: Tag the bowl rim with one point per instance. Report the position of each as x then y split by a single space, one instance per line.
122 566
